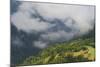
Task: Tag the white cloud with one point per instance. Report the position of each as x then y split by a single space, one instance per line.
81 14
63 11
76 17
53 37
23 21
57 36
39 44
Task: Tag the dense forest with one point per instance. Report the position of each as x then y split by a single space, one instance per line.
80 50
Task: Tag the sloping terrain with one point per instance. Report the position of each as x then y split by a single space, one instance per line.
79 50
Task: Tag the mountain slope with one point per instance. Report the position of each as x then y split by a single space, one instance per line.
80 50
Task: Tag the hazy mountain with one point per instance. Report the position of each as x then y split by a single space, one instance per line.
36 26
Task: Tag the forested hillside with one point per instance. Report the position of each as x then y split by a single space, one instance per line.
80 50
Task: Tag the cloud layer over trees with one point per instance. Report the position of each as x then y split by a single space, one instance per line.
55 22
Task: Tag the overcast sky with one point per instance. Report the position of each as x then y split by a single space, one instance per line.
42 17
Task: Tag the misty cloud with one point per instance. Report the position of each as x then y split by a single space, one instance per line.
40 44
57 36
39 17
17 41
23 21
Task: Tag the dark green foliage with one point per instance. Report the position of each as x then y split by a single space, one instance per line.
57 53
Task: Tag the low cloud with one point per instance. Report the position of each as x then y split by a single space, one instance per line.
17 42
40 44
23 22
39 17
57 36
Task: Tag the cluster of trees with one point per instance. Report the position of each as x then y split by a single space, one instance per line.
66 52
